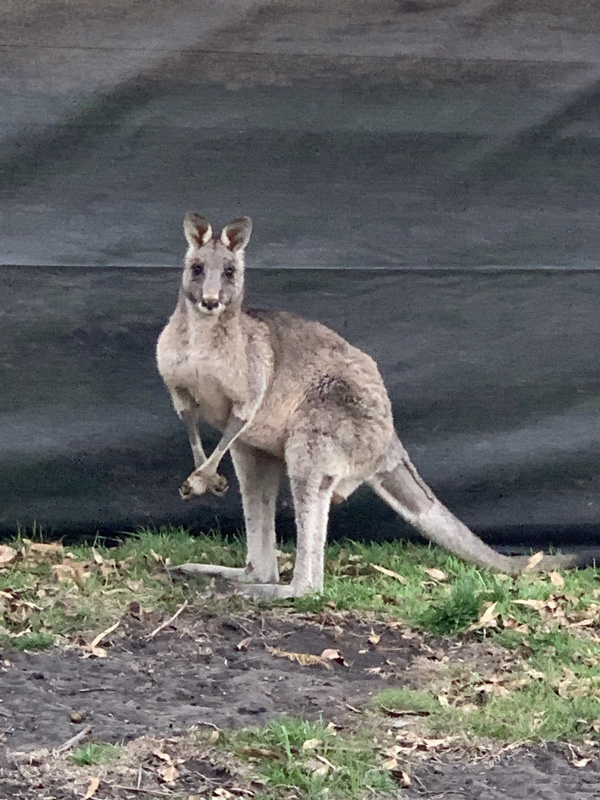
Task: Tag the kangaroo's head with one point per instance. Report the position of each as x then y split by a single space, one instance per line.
213 271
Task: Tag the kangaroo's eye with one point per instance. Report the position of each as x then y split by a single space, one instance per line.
197 270
229 272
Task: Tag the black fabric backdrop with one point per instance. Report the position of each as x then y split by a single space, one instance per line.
423 177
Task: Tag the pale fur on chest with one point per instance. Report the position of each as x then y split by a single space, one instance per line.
210 371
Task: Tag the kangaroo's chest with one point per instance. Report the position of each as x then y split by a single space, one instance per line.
212 380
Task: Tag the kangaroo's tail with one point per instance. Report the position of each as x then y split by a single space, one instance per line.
400 485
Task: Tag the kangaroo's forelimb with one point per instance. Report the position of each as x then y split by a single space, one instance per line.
204 477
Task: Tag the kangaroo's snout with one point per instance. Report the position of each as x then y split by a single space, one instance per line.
209 303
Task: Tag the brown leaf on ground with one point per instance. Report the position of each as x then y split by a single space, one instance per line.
513 624
572 686
304 659
92 788
487 619
374 638
7 555
580 762
437 574
318 766
557 580
389 573
534 561
76 571
40 551
550 610
92 648
163 756
312 744
330 654
168 774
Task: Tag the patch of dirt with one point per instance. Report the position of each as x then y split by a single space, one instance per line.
537 774
195 674
233 670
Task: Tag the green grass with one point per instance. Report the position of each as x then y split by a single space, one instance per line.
94 753
535 713
309 758
545 629
66 593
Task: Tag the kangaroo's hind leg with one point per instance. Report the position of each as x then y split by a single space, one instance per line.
312 491
259 475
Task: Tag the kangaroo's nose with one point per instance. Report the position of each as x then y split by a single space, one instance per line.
210 302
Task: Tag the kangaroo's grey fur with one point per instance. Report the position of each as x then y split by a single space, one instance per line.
289 395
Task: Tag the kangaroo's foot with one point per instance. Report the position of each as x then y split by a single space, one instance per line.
212 570
273 591
239 574
200 482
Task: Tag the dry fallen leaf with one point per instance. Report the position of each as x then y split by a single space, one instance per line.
92 788
374 638
580 762
534 561
312 744
51 548
390 573
537 604
75 571
512 623
557 580
77 716
163 756
7 555
244 644
318 766
92 648
334 655
168 774
157 557
436 574
304 659
487 619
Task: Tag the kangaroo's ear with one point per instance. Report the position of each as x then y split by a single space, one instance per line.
236 235
197 229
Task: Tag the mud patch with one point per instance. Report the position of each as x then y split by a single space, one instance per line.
229 671
218 670
538 774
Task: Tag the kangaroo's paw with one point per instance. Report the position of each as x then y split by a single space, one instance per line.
212 570
200 482
273 591
238 574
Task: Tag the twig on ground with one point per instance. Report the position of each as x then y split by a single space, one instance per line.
155 792
167 622
73 740
139 780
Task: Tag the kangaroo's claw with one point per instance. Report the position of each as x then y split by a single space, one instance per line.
199 482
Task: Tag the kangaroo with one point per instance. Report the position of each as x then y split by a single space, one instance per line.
290 395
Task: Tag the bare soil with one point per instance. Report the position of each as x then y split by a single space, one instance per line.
229 670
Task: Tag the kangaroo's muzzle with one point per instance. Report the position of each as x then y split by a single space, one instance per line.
210 305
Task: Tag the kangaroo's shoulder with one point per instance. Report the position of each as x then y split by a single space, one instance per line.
287 325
